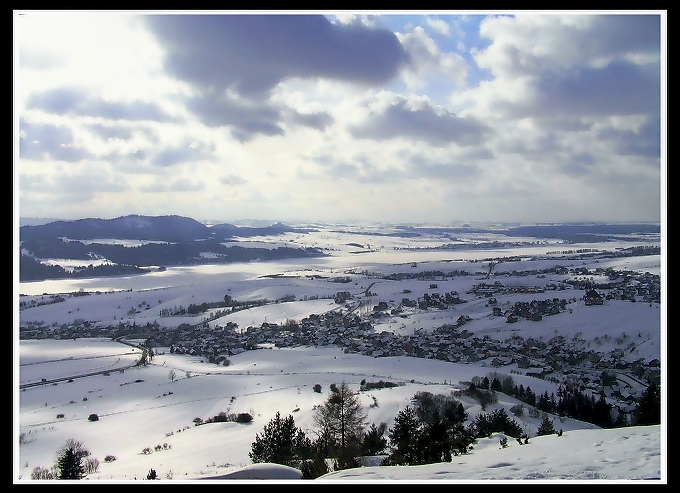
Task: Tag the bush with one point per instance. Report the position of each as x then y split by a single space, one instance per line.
91 465
243 418
109 458
60 416
517 410
317 388
93 417
42 473
313 468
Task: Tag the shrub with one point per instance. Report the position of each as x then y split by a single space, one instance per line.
517 410
243 418
42 473
60 416
317 388
109 458
93 417
91 465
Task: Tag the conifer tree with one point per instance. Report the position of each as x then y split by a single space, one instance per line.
281 442
70 465
404 436
374 440
546 427
648 410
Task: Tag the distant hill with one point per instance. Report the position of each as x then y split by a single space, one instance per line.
152 228
173 240
36 221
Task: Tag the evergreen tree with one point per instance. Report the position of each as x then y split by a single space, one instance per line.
648 410
281 442
70 456
375 442
434 443
404 436
546 427
602 413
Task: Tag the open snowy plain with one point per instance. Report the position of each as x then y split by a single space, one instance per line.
385 277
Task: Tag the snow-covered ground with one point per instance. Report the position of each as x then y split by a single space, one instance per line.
143 407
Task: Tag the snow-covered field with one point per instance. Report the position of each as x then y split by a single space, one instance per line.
143 407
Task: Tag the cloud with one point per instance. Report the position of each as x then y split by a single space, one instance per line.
251 54
49 142
645 142
420 120
617 89
76 102
180 154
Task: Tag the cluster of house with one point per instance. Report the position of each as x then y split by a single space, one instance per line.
556 359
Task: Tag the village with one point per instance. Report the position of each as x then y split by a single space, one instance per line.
569 361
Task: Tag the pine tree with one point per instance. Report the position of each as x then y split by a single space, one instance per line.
648 410
281 442
375 442
546 427
70 465
404 436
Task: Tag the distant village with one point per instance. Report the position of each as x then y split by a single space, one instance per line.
567 361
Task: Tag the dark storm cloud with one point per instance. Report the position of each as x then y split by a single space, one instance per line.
251 54
75 102
439 128
45 141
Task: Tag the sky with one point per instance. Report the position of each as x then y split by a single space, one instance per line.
432 117
143 408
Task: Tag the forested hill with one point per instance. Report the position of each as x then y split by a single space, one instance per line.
170 241
151 228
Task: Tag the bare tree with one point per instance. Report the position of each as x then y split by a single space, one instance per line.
172 375
341 420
